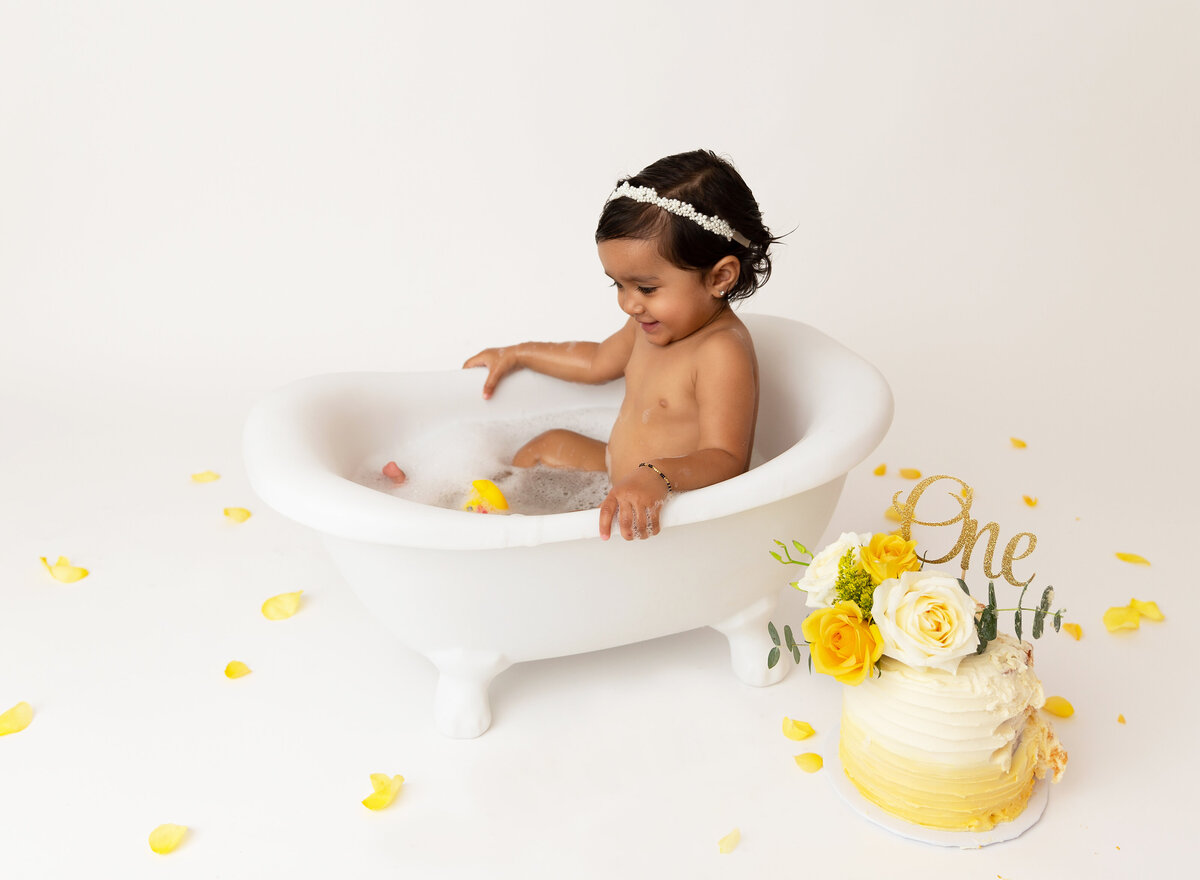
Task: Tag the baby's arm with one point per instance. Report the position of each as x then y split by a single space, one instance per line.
727 404
590 362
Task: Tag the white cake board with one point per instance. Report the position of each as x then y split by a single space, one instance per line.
936 836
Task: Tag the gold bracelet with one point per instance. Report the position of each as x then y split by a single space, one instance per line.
660 473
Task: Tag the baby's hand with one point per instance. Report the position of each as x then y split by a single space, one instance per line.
636 503
499 362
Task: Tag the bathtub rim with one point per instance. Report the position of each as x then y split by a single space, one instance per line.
290 477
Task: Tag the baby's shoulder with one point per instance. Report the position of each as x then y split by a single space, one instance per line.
728 339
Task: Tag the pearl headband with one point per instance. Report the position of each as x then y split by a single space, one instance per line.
648 195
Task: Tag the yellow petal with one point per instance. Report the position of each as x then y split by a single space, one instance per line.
385 790
205 477
1017 442
165 838
910 473
729 842
236 669
16 719
64 571
1133 558
893 514
797 730
237 514
809 762
880 471
282 607
1146 609
1120 719
1059 706
1121 617
1074 630
1032 502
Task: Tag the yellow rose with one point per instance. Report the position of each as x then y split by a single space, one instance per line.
889 556
842 643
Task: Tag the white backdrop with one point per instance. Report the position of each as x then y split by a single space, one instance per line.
996 202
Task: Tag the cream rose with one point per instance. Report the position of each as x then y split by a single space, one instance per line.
820 577
926 619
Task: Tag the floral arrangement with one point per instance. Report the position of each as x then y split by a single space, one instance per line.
872 598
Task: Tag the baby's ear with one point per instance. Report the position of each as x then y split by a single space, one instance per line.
724 274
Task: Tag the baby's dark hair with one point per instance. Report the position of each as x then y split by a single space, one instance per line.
713 187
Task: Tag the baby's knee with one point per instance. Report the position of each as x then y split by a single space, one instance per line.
535 450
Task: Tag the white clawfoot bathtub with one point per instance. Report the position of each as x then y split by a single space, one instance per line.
476 593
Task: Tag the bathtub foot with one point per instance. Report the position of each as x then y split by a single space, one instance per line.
750 643
461 706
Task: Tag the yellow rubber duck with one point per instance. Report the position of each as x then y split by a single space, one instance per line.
486 498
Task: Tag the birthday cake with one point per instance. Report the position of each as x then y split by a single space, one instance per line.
953 750
940 723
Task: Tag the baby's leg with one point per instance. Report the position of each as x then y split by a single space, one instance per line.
563 449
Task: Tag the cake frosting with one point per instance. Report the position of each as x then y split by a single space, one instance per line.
951 750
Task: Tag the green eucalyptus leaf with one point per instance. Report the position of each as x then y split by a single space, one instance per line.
774 633
1039 623
963 584
796 654
991 597
772 658
1017 623
1058 622
1047 598
789 638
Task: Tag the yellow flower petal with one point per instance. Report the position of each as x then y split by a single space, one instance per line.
1120 719
205 477
282 607
1074 630
1146 609
797 730
893 514
1032 502
236 669
1017 442
1133 558
237 514
1121 617
16 719
729 842
386 788
910 473
165 838
1059 706
64 571
880 471
810 762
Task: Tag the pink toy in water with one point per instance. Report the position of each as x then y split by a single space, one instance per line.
392 471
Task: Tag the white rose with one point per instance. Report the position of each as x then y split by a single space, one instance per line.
820 577
926 619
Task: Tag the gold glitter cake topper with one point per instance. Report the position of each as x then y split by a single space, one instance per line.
968 534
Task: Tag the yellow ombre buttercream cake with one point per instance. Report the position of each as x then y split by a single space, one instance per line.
956 751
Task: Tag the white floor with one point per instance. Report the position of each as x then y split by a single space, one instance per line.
998 206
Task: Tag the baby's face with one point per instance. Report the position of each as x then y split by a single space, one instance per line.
668 303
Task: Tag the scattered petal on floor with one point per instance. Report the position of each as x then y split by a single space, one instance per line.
810 762
282 606
797 730
1074 630
1133 558
910 473
1146 609
165 838
729 842
386 788
1121 617
1017 442
16 719
880 471
237 514
64 571
205 477
1059 706
1120 719
236 669
1032 502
